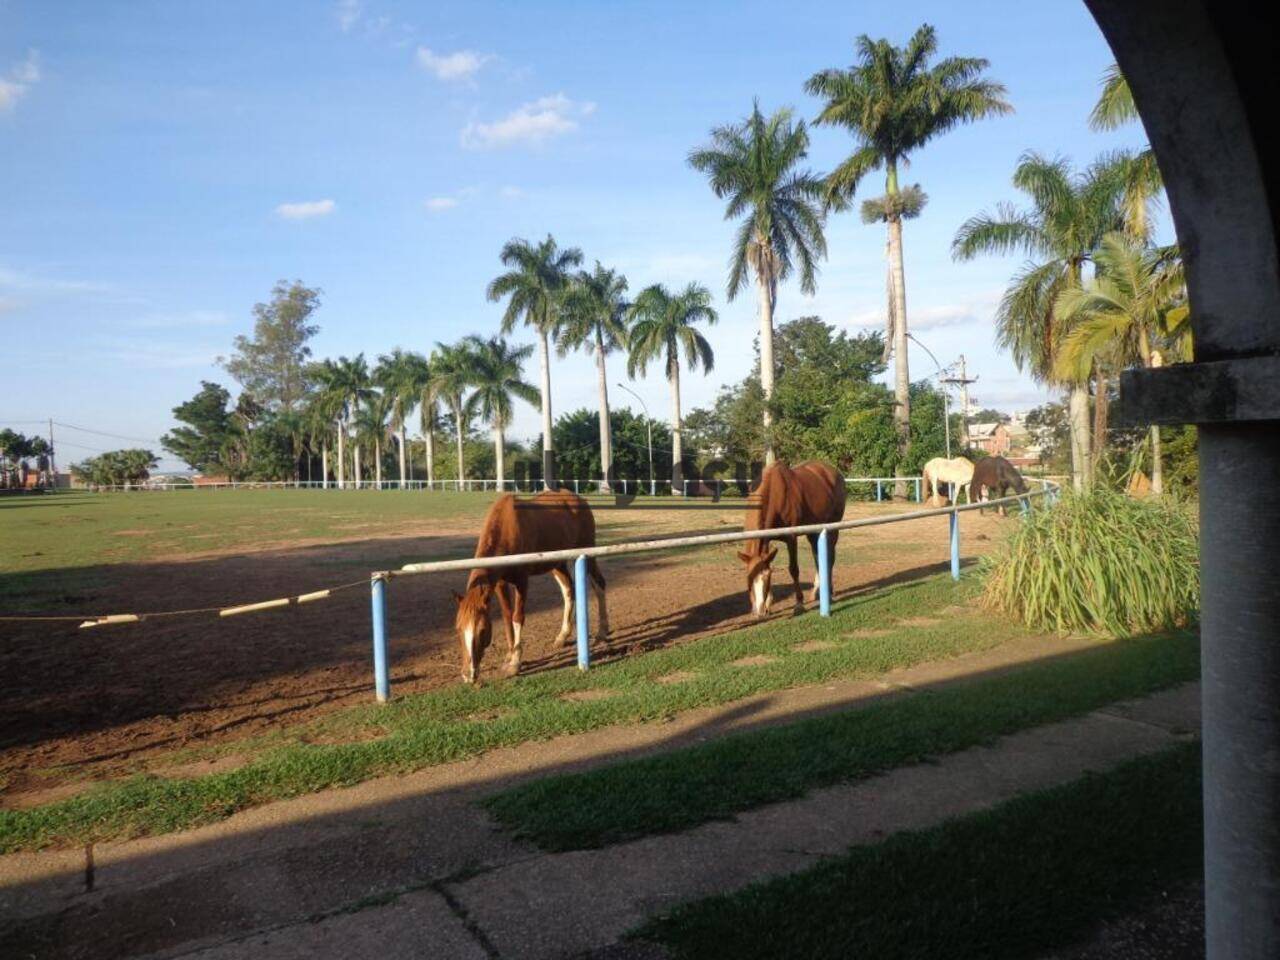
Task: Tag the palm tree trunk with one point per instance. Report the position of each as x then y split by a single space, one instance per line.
430 443
1078 421
766 363
356 455
1101 406
403 476
457 423
342 456
548 453
677 451
377 463
606 434
500 467
324 464
901 371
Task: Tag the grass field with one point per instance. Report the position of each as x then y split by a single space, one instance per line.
1015 881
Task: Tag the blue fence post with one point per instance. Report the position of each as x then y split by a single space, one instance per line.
824 575
955 545
580 605
878 493
381 677
917 489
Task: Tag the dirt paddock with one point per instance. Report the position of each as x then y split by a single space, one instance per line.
103 701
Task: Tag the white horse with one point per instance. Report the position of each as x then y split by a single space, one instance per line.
957 470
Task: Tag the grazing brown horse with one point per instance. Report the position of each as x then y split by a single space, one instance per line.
553 520
811 492
992 476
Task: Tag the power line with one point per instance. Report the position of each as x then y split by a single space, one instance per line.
103 433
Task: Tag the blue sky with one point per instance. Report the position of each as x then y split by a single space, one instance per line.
162 164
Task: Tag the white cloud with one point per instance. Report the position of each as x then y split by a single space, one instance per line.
306 209
439 204
159 356
533 122
20 78
968 313
459 65
511 193
8 304
349 13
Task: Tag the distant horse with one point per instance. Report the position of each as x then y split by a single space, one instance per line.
553 520
812 492
995 475
957 470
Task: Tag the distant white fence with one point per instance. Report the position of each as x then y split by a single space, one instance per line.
623 486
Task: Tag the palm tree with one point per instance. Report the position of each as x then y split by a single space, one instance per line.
753 165
894 101
1069 216
594 319
1125 313
346 385
450 378
402 375
1143 183
662 325
497 377
319 419
534 287
294 426
371 428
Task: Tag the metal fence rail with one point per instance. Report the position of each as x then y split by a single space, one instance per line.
579 556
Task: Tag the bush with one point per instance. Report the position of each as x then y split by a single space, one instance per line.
1100 563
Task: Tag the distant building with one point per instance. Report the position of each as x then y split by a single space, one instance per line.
994 439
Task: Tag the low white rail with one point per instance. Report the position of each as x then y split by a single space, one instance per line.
579 556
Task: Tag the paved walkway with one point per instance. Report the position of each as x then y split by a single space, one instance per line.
410 867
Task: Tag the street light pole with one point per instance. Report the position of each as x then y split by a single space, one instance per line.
648 422
946 400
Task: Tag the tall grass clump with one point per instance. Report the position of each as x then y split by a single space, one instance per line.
1101 563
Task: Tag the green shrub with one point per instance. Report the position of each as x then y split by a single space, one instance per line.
1101 563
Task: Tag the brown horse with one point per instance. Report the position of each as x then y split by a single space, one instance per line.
995 475
812 492
553 520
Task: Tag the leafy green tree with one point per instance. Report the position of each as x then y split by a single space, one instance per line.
893 101
753 165
1143 183
497 381
450 379
403 377
663 326
272 364
1121 314
116 468
534 287
594 320
578 449
208 422
1070 214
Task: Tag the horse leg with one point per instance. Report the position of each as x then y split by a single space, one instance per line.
793 567
817 572
566 588
597 582
508 625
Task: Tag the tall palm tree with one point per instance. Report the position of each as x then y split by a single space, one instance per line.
319 418
594 319
662 326
497 377
450 378
753 164
1070 214
1127 312
402 375
427 422
1143 183
893 101
534 286
371 427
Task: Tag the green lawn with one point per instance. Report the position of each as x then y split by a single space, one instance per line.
677 790
1015 881
458 722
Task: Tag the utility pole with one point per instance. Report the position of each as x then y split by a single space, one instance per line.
963 382
53 469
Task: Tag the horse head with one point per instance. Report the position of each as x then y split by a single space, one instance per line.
474 626
759 576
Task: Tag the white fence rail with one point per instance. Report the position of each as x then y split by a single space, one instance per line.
379 579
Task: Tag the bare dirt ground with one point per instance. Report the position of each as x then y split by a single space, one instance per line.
86 704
